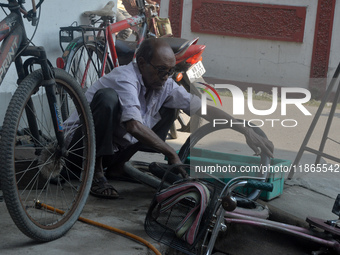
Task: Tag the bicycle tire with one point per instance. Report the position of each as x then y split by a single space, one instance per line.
139 170
208 129
24 175
78 57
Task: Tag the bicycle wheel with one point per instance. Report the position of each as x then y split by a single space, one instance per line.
85 61
207 129
33 169
141 170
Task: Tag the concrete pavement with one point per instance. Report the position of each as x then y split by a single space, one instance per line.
306 194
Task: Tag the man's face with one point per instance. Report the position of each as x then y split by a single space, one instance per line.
157 71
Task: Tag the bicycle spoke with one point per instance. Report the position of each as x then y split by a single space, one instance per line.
86 64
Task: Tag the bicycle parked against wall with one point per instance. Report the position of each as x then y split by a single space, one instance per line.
87 57
34 140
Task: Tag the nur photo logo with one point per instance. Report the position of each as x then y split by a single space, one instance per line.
239 103
207 86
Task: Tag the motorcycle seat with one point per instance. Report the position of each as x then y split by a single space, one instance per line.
126 49
177 44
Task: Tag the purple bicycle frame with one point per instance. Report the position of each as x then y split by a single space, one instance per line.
12 34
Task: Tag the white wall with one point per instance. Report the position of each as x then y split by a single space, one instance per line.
255 60
54 14
225 57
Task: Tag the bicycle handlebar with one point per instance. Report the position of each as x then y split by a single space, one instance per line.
229 203
266 186
29 15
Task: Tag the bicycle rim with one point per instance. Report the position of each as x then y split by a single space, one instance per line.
29 166
86 64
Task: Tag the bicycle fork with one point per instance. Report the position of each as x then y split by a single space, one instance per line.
216 226
50 85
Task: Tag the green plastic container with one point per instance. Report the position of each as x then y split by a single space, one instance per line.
228 166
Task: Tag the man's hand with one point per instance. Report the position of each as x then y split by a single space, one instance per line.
146 136
258 143
174 159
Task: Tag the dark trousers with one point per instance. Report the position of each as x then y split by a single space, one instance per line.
105 108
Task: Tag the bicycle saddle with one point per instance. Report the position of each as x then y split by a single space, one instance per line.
106 11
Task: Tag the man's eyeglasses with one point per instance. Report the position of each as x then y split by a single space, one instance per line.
163 72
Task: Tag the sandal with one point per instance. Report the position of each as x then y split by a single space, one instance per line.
99 185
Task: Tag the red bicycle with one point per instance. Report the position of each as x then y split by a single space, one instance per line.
93 51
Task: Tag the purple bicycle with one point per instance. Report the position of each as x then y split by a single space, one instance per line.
35 170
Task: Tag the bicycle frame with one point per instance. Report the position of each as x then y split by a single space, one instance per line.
15 45
132 23
225 216
12 34
230 217
234 218
124 24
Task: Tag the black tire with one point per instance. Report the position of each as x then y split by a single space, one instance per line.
77 60
150 174
139 170
89 54
206 130
23 162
